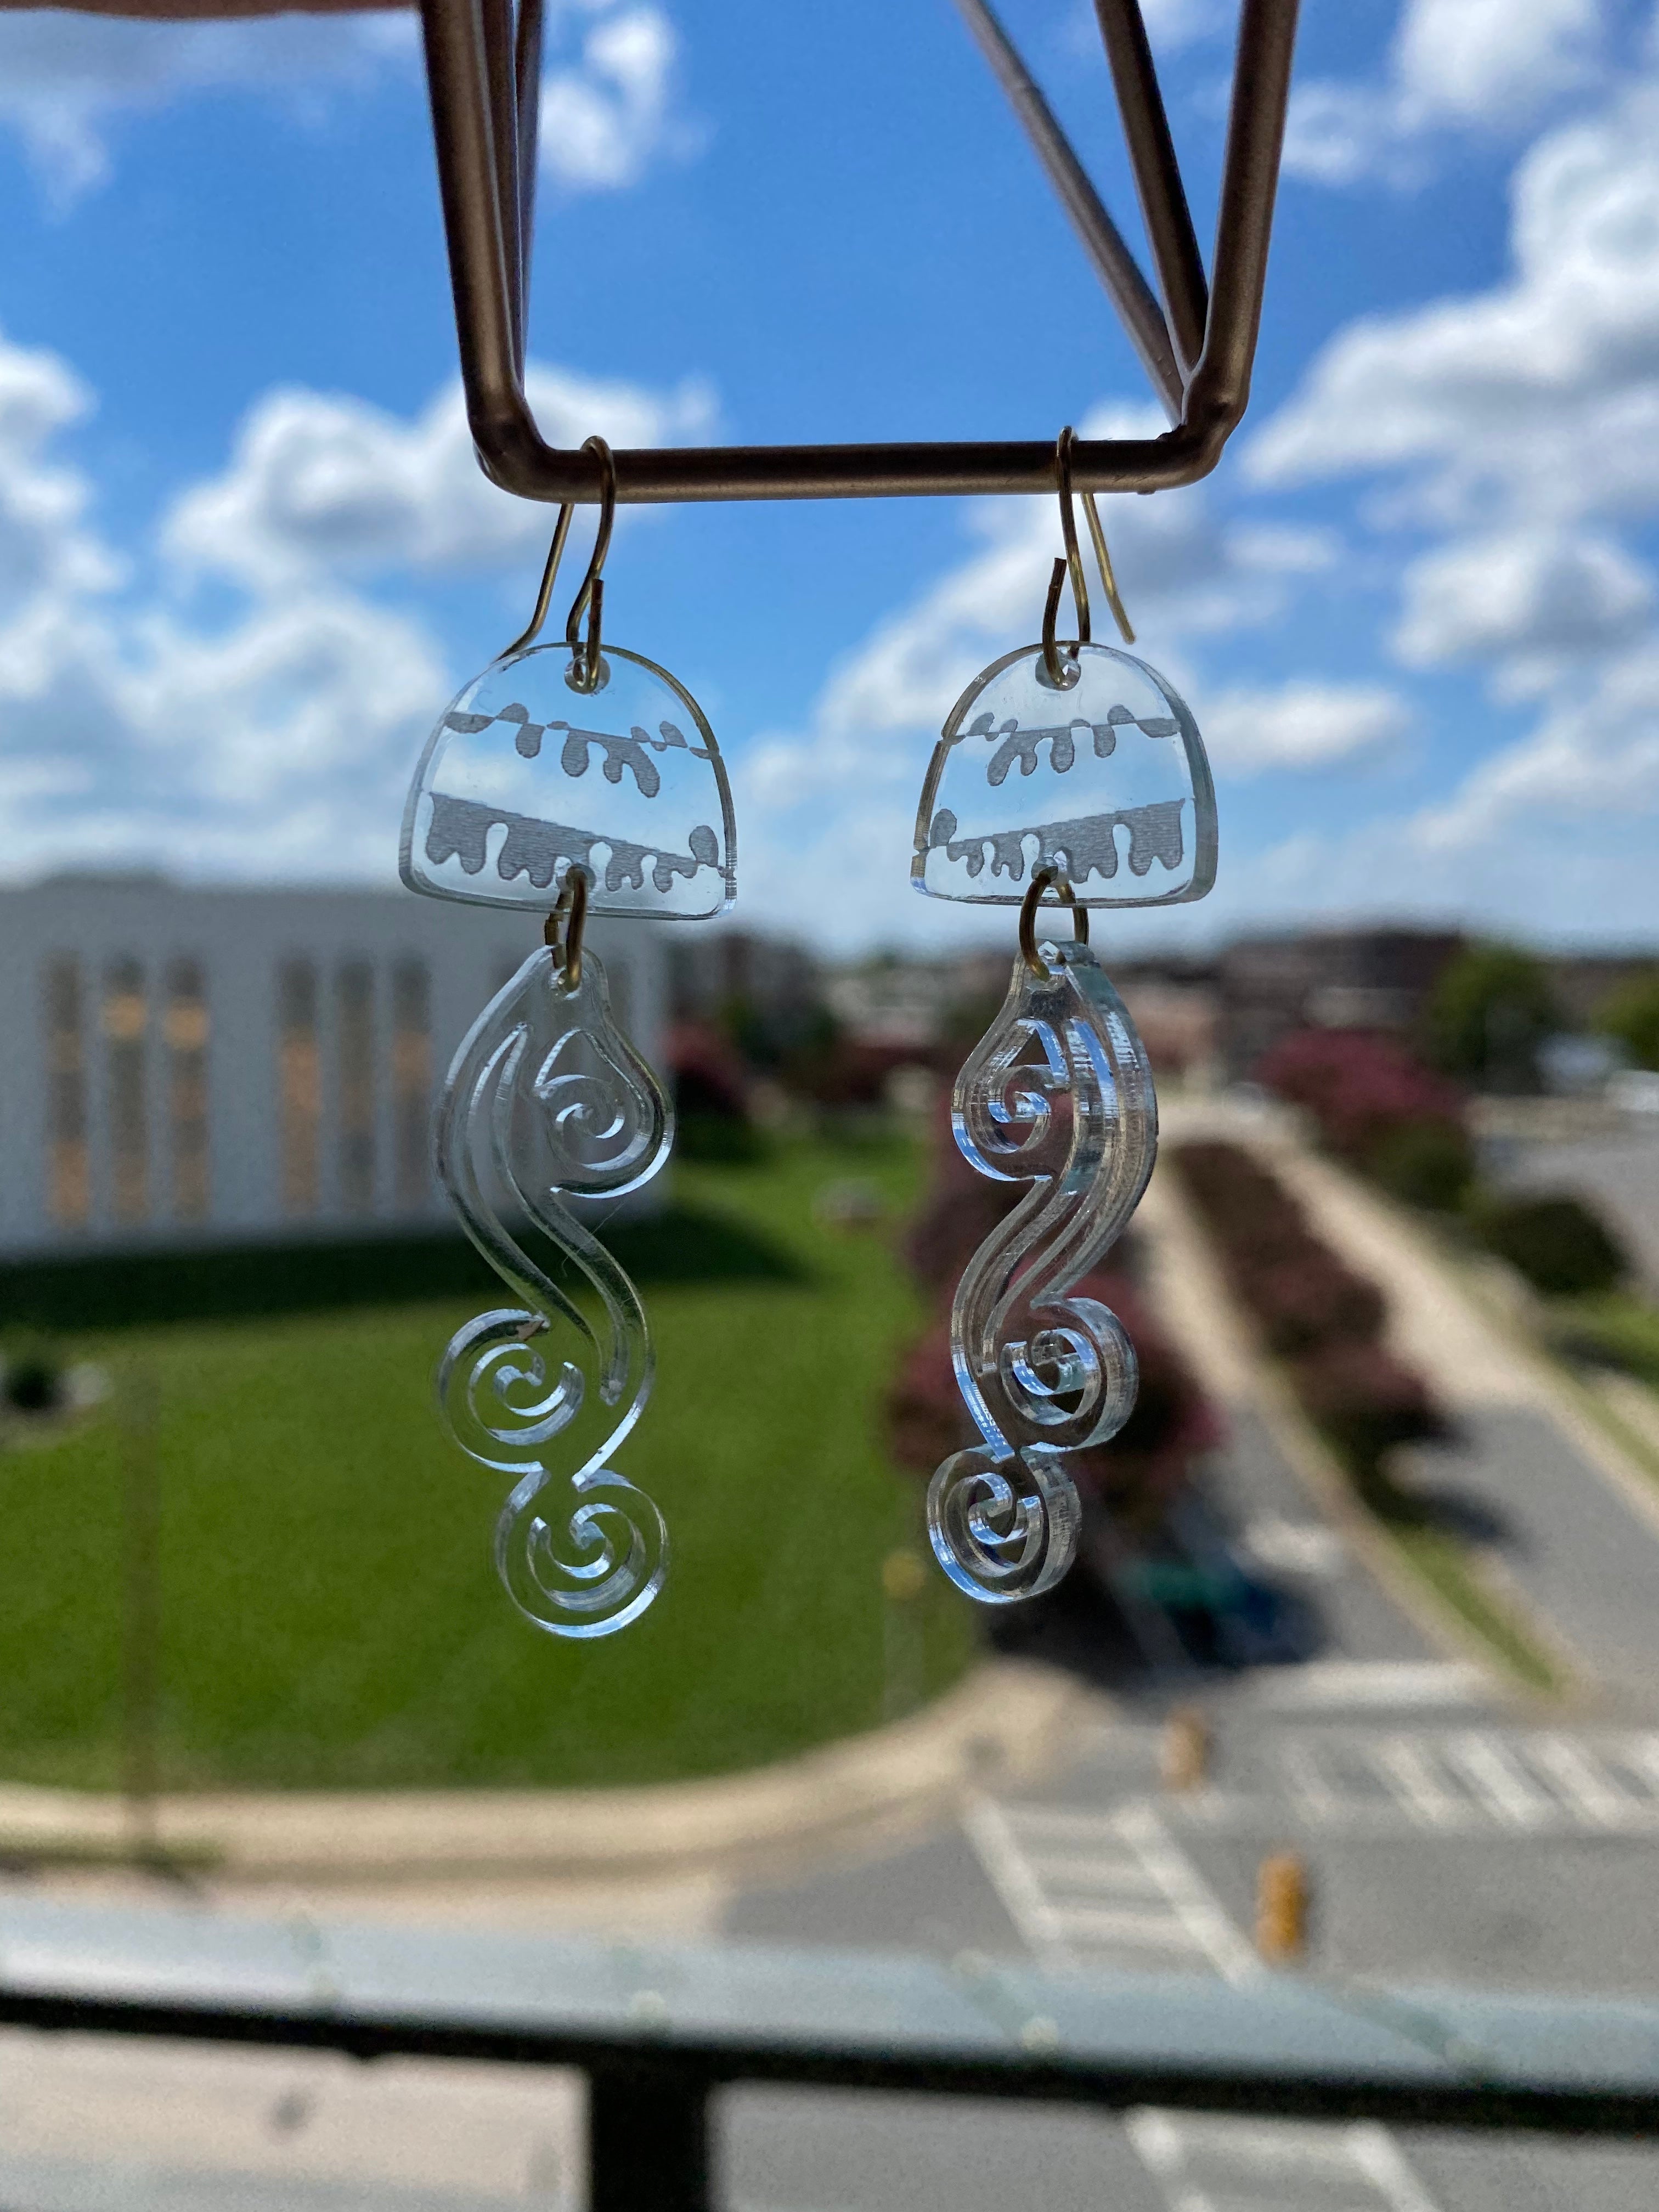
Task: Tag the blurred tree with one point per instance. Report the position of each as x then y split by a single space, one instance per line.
1490 1011
1377 1106
1630 1013
711 1103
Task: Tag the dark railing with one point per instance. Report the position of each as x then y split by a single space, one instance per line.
658 2030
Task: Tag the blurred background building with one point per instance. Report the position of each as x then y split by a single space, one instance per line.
188 1066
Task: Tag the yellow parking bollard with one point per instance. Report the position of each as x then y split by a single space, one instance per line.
1184 1757
1282 1907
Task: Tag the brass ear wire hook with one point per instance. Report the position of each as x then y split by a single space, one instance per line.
1091 515
555 555
1028 913
571 912
586 673
1072 565
591 582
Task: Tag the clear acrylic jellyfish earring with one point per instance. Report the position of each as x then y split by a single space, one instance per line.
528 796
1068 773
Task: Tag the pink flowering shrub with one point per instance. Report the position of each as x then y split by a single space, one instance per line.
1324 1320
1377 1106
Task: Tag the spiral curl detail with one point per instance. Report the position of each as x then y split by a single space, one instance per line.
546 1101
1002 1529
1058 1093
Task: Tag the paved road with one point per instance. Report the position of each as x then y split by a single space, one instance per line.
1448 1845
1579 1546
1449 1840
1278 1523
1617 1173
1570 1520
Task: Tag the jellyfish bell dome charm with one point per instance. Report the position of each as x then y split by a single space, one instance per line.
1070 774
527 777
567 780
1103 780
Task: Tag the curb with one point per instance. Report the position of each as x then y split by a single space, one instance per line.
1007 1720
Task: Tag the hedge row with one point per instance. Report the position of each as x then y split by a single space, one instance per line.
1313 1313
1378 1108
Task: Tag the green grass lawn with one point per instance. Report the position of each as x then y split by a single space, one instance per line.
330 1613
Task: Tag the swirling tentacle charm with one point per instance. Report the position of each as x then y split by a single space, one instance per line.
1058 1093
546 1101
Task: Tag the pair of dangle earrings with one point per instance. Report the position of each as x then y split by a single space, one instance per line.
576 780
1067 773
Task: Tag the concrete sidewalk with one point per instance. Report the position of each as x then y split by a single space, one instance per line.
1009 1719
1275 1478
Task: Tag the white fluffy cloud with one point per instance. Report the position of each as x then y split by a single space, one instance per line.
1553 834
276 742
1596 752
64 78
1469 64
1545 391
49 556
1478 60
834 805
606 113
67 79
1171 24
318 482
1517 429
1523 599
1301 725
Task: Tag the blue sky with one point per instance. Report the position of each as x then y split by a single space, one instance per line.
245 556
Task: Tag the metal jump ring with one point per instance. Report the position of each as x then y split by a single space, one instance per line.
1028 913
572 911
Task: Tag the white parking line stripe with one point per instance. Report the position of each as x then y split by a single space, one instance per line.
1123 1874
1015 1883
1640 1754
1585 1782
1190 1897
1408 1773
1392 1684
1377 2153
1230 2164
1309 1784
1035 1823
1162 1931
1498 1779
1239 2160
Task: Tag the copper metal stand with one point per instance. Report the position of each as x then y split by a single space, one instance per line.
484 67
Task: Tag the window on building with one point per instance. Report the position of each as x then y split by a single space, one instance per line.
353 1008
411 1081
298 1087
184 1030
125 1020
69 1179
